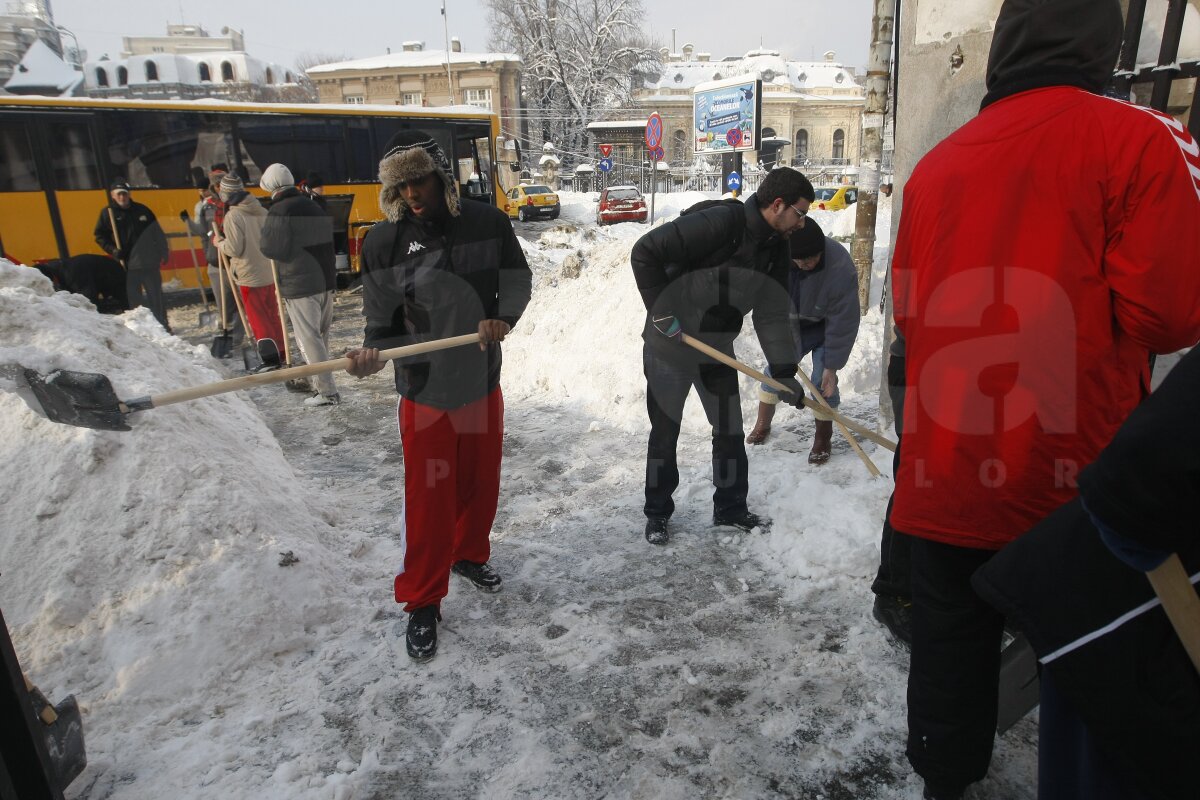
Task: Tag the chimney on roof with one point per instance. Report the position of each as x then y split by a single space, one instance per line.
687 51
830 55
455 44
413 47
703 56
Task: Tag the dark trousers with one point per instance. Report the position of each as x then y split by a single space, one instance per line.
892 579
1070 765
955 668
668 384
144 288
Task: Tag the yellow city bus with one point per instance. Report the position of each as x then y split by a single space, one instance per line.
58 156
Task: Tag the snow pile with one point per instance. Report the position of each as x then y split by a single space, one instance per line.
142 569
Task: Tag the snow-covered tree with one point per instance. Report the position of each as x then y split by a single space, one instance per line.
579 58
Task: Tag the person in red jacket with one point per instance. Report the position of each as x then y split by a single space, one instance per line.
1045 250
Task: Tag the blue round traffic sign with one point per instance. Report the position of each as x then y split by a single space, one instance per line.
733 137
606 164
658 154
734 181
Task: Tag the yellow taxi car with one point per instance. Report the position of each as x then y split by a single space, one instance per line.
835 198
532 201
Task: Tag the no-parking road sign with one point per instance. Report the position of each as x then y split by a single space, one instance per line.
654 130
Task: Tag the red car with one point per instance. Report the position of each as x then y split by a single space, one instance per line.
621 204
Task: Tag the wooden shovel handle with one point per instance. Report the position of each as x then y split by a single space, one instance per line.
281 375
861 430
1179 600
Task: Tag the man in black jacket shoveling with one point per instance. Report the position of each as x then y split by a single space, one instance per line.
438 268
700 275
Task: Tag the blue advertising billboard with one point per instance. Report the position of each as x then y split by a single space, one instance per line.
726 115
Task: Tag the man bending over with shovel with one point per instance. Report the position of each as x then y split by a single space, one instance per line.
699 276
438 268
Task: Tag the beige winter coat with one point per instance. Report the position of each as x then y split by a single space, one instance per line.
243 232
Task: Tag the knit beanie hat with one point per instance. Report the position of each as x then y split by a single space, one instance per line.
409 156
231 184
807 241
276 177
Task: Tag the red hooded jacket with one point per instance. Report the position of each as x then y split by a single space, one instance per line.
1046 248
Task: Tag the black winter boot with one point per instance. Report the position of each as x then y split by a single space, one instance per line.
895 614
744 520
656 530
421 639
483 576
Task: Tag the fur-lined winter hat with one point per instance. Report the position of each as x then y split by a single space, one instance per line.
411 155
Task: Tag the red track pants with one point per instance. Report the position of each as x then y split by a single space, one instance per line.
451 487
263 313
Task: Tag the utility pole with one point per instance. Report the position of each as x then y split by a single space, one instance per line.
871 153
449 77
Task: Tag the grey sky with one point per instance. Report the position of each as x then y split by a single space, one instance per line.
280 30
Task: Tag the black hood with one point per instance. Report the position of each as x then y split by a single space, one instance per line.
1039 43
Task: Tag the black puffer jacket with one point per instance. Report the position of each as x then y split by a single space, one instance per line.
298 236
424 281
676 275
143 244
1093 621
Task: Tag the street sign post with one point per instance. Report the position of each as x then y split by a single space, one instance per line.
605 150
606 165
654 135
733 181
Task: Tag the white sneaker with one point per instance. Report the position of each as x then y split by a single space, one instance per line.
323 400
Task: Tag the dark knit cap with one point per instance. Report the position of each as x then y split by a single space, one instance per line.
807 241
411 155
119 185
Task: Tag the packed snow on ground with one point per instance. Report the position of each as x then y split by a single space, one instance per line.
143 571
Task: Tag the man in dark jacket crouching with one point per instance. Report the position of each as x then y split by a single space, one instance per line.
439 268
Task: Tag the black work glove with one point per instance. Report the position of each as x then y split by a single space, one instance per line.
667 325
796 398
183 215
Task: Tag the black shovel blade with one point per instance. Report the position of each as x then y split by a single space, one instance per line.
64 742
250 358
84 399
222 345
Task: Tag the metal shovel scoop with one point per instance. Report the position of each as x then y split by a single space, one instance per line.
88 400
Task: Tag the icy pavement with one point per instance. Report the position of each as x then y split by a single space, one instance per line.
723 665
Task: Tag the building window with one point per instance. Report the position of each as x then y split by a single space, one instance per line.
101 77
122 76
480 98
839 143
226 71
151 71
270 76
678 147
205 72
801 145
410 99
355 99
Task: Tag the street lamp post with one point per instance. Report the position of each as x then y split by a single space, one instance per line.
78 62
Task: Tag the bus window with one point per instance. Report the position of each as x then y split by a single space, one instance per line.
18 173
385 128
364 162
151 149
72 156
302 144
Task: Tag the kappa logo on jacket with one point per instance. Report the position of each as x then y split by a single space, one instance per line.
414 247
